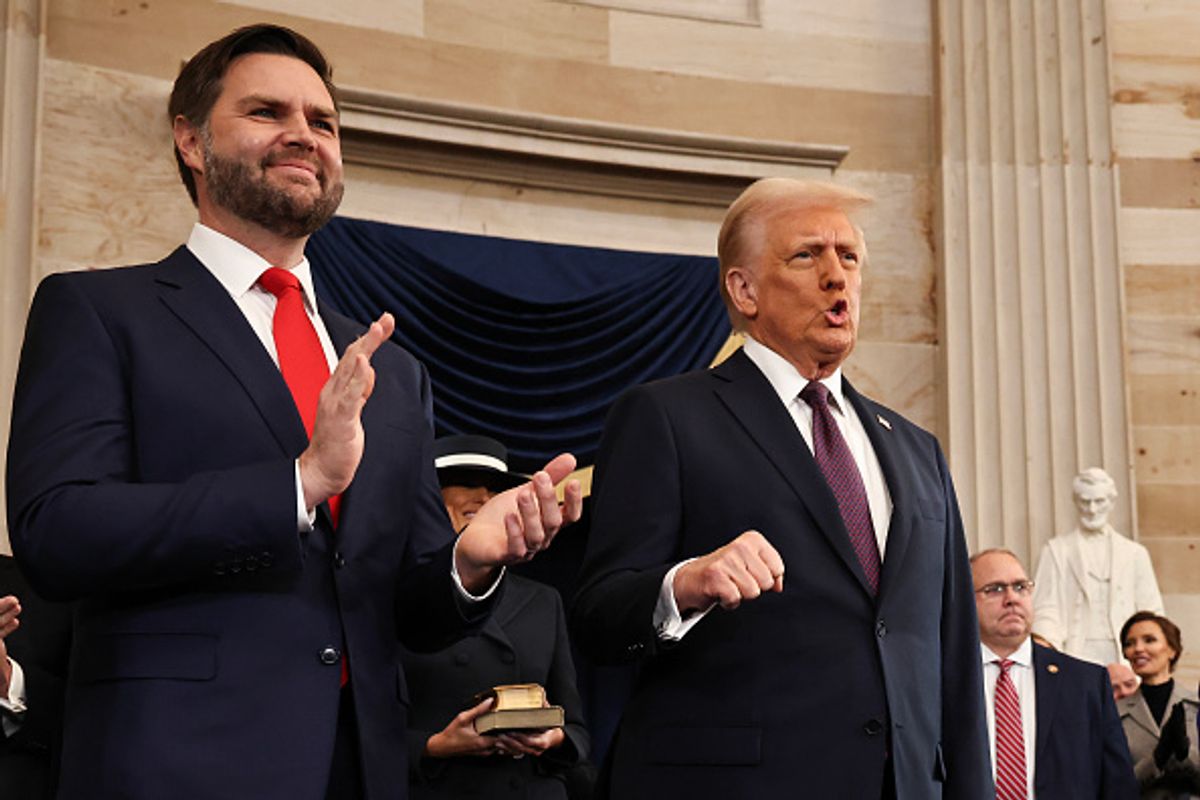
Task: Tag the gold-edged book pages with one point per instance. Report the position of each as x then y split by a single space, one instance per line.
517 707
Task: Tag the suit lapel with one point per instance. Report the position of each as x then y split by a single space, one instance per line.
883 442
748 395
1136 709
510 605
202 304
1046 674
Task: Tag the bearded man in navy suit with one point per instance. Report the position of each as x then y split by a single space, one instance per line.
247 556
858 676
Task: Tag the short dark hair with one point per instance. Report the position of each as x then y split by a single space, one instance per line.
199 83
1170 632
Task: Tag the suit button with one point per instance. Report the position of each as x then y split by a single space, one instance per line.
250 564
635 648
266 559
462 659
880 629
219 568
339 560
873 727
329 655
235 566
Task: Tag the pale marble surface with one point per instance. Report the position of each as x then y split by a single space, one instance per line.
396 16
770 56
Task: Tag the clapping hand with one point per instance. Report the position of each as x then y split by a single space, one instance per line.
515 525
1173 740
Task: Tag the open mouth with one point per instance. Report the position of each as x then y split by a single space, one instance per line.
839 315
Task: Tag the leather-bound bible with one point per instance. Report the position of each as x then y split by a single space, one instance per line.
517 707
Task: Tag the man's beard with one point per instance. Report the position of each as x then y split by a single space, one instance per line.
246 192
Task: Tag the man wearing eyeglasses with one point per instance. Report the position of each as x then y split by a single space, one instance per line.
1053 729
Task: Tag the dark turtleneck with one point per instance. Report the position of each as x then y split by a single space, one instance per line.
1157 698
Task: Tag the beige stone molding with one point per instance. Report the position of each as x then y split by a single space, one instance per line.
21 51
1030 303
576 155
738 12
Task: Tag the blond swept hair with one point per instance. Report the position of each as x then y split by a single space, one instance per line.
741 236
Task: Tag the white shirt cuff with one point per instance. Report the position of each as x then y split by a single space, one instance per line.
668 623
305 520
462 590
13 706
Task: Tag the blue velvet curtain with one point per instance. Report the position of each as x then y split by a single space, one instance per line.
526 342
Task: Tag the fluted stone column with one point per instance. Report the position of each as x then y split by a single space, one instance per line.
1030 291
21 49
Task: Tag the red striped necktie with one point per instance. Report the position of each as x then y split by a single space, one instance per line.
1010 739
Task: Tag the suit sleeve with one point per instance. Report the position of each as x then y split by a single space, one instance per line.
1117 780
635 532
79 518
968 774
431 613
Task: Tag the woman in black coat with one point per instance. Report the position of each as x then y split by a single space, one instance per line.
524 641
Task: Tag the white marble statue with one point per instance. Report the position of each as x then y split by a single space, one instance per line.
1090 580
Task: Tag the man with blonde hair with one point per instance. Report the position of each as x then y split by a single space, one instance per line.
859 679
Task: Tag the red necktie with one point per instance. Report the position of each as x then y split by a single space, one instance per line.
301 357
841 473
1010 739
301 360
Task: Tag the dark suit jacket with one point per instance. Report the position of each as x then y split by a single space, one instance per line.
1080 752
151 475
807 690
41 645
525 641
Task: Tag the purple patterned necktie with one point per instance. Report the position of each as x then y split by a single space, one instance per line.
841 473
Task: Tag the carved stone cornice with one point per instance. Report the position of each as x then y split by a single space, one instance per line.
576 155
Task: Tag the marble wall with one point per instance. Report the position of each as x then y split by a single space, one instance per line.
1156 132
859 73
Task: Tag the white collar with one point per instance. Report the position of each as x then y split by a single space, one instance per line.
237 267
785 379
1023 654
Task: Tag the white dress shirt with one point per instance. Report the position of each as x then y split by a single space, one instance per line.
1021 673
788 383
12 707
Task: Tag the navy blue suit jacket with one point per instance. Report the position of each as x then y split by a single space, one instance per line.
804 692
1081 753
151 476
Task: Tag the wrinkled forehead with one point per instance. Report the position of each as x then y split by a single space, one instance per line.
994 567
276 77
809 220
